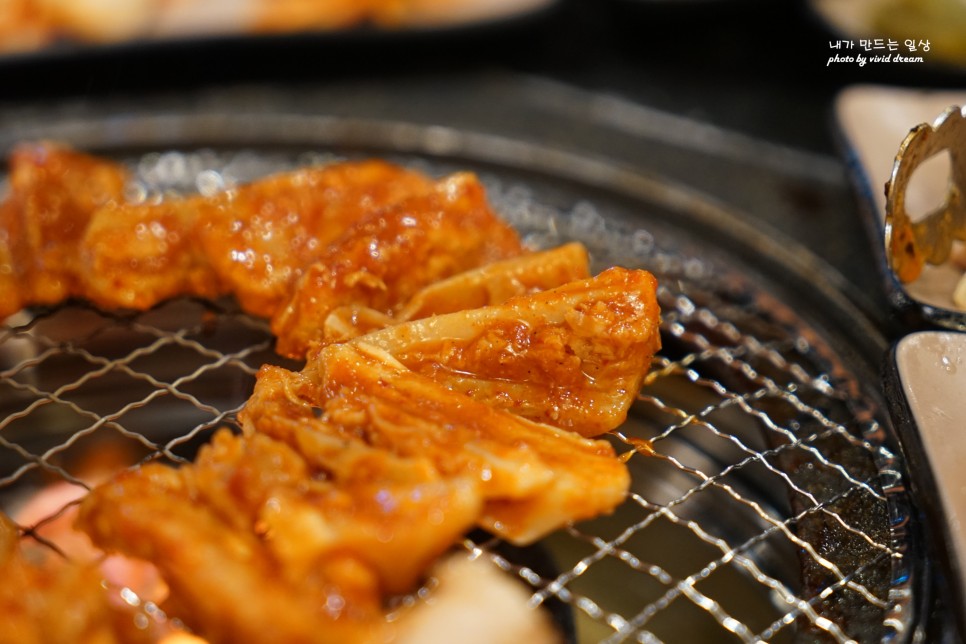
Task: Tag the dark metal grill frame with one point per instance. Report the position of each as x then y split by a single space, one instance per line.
768 502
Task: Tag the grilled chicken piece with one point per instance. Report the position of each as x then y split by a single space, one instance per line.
384 260
497 282
254 242
137 255
281 407
438 387
288 406
53 191
66 231
45 598
573 356
318 550
484 286
363 234
263 237
534 478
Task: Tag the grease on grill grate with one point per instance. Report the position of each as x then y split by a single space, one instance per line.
757 510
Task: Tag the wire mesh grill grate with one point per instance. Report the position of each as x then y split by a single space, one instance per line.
760 507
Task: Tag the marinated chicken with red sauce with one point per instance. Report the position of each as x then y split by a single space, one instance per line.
574 356
253 242
535 478
292 247
453 379
46 598
53 192
489 284
255 540
353 475
67 231
384 260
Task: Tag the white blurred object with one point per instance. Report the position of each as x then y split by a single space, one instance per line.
932 374
478 602
203 17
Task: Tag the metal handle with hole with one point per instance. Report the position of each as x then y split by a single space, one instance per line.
911 244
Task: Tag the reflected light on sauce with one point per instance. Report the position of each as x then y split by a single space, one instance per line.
640 445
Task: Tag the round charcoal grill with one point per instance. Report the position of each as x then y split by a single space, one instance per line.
767 502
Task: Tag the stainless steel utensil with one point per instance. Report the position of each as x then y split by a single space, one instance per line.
911 244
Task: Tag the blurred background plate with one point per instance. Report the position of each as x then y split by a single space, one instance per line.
67 28
925 380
